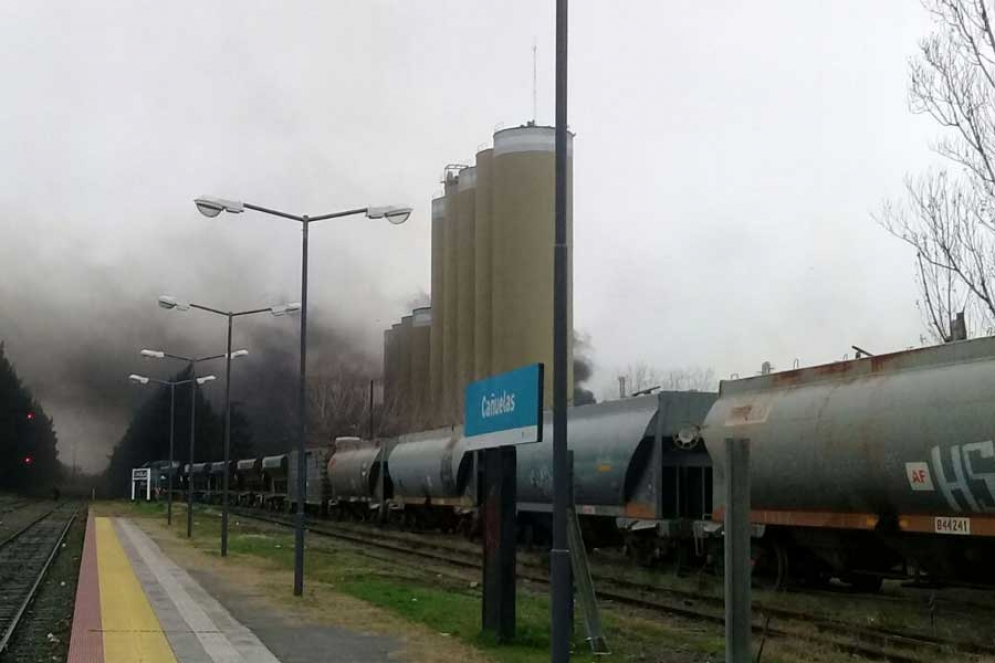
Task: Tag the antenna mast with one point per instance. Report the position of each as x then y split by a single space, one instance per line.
534 103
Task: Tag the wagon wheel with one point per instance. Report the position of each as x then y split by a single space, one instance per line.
770 565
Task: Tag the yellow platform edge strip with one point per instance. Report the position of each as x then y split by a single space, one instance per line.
132 633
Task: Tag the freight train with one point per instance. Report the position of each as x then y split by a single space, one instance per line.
860 470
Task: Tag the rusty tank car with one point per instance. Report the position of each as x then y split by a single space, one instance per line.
869 463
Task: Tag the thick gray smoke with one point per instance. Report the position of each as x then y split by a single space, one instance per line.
74 334
583 369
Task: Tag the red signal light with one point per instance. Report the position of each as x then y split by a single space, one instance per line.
28 460
31 416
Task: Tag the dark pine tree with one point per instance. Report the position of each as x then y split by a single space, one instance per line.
28 453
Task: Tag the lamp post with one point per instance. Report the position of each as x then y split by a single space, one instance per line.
559 557
211 207
192 363
143 380
171 303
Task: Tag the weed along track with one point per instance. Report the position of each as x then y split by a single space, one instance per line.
871 642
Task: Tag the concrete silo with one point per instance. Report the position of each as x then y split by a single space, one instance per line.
389 374
404 400
466 196
438 305
483 247
419 344
447 410
523 237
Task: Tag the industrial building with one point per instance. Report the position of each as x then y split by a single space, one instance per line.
492 282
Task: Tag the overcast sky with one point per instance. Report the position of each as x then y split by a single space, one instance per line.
727 161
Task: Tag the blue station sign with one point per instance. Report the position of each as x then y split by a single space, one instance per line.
504 409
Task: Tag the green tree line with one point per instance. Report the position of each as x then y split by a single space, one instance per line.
28 455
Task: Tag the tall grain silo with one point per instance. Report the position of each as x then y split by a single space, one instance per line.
392 392
466 196
523 237
404 401
437 345
419 344
389 375
483 246
450 320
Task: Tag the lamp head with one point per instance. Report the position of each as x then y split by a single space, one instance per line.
284 309
393 213
205 379
169 302
210 206
153 354
138 379
239 353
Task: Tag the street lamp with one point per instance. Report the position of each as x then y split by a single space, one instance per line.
172 303
212 207
142 380
191 362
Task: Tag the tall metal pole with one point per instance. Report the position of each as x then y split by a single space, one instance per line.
302 426
169 475
227 454
560 553
737 551
193 419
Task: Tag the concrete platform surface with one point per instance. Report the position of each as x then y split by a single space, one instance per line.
134 604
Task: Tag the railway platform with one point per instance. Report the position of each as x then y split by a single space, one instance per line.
135 604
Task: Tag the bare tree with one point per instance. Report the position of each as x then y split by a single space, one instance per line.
948 215
641 376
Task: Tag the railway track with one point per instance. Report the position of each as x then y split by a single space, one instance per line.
25 557
773 622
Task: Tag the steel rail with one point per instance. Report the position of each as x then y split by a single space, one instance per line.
27 527
16 620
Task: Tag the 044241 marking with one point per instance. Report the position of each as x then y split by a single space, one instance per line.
946 525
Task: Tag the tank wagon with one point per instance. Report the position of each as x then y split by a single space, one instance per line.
354 472
860 467
641 473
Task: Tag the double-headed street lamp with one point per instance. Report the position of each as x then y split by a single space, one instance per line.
191 362
171 303
211 207
143 380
